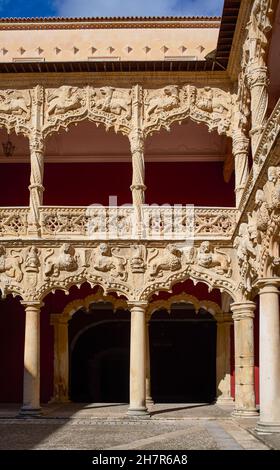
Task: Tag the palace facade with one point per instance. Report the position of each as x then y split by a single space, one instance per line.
140 211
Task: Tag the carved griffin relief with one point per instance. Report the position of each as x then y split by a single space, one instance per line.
63 99
212 106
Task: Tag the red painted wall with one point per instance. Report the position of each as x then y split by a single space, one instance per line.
88 183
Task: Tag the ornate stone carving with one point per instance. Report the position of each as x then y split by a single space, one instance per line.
254 64
164 100
212 106
13 222
15 110
107 260
32 260
113 100
138 258
66 260
214 258
10 265
63 99
246 254
169 260
15 102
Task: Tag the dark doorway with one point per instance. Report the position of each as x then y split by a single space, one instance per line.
99 359
183 355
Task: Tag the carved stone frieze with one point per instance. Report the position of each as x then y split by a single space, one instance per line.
134 270
15 110
212 106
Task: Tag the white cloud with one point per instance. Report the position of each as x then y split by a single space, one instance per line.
137 7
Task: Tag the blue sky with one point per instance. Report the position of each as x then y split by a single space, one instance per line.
37 8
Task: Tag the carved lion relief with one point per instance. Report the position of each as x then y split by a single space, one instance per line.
66 260
10 264
108 260
214 258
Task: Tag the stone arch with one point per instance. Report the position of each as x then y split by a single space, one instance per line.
60 323
195 274
208 305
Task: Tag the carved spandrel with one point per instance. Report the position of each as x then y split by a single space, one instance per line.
15 110
172 103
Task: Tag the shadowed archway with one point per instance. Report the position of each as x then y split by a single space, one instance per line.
183 355
99 355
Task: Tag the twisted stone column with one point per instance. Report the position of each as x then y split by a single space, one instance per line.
137 391
258 84
31 381
240 147
224 323
61 358
36 188
269 358
243 316
138 177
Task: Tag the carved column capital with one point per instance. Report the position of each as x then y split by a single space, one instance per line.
140 305
32 304
243 310
268 286
257 76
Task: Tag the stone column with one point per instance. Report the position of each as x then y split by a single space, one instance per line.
258 83
149 400
224 323
36 188
137 391
61 358
31 381
138 178
243 316
269 358
240 148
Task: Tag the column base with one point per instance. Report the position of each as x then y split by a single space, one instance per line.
245 413
138 413
149 401
267 428
26 411
224 401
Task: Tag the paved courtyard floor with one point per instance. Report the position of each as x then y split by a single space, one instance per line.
105 426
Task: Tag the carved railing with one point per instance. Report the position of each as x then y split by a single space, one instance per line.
13 221
166 222
184 222
115 223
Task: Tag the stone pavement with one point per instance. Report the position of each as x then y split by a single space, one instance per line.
105 426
